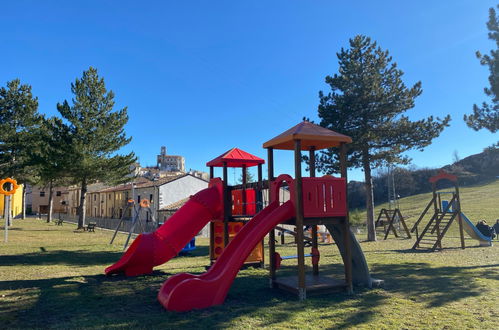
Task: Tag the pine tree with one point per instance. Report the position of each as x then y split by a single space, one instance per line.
53 157
249 177
19 118
97 133
487 116
367 102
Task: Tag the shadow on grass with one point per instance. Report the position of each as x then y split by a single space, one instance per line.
101 302
61 257
434 286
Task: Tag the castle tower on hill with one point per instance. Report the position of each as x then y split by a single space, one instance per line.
170 163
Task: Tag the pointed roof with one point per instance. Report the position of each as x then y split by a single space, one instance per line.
235 157
311 135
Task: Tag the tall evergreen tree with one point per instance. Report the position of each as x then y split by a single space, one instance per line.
97 133
367 102
487 115
53 157
19 119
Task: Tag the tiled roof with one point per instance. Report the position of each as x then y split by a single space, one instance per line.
175 206
162 181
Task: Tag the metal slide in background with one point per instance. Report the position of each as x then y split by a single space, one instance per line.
474 233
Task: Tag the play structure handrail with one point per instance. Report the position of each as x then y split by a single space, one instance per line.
276 186
416 224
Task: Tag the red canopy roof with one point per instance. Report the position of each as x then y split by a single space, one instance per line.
235 157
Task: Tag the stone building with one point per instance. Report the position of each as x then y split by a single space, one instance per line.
170 163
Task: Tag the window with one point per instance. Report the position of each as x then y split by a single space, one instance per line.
138 199
58 193
95 198
150 198
109 197
42 193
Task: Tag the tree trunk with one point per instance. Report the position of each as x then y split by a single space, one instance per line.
82 207
51 202
371 230
23 214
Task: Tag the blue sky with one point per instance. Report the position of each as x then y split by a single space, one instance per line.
201 77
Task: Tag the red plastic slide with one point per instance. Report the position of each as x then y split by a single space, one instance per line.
153 249
184 292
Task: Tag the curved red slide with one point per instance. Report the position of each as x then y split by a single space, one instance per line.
184 292
153 249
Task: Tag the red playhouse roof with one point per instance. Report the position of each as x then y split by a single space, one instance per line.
235 157
311 135
443 175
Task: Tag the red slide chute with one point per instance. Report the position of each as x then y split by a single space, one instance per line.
184 292
153 249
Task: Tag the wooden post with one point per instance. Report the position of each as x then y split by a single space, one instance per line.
244 189
460 218
259 192
302 293
227 204
270 171
315 244
346 224
212 172
259 205
437 206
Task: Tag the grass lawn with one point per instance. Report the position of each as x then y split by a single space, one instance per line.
52 276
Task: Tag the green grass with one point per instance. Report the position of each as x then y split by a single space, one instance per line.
52 277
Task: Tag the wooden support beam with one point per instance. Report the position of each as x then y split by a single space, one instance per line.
244 188
346 225
227 204
315 243
300 246
270 174
459 217
259 205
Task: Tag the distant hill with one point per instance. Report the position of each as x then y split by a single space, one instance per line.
472 170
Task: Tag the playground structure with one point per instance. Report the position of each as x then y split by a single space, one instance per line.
313 201
137 220
8 188
444 214
388 218
241 203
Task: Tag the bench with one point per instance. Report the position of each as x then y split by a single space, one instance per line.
59 222
90 227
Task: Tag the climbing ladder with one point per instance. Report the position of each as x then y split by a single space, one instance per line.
444 214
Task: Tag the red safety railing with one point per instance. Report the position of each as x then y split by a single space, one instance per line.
322 197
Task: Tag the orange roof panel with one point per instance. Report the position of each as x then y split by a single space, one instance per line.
311 135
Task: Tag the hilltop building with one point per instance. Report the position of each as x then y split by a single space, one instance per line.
170 163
